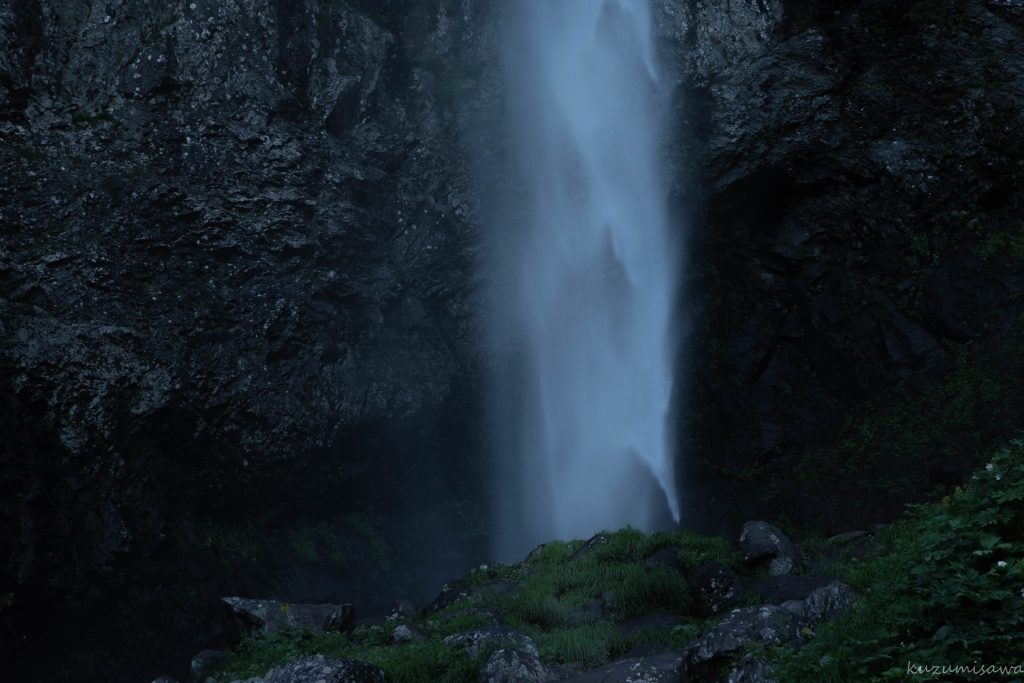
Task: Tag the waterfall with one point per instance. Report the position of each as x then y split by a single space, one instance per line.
584 277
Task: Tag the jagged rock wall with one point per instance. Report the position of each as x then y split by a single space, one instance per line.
233 232
855 166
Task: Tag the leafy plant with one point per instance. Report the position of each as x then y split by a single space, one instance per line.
945 589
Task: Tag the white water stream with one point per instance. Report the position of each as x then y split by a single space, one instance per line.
586 275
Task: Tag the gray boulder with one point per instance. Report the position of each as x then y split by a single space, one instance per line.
751 669
825 602
509 665
761 541
404 633
593 543
716 588
476 640
253 617
663 668
342 619
320 669
768 624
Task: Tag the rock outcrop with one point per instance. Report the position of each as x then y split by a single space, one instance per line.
855 161
236 238
320 669
253 617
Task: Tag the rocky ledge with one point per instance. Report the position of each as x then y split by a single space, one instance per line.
619 607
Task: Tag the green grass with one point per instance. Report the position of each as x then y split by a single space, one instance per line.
884 456
552 585
589 644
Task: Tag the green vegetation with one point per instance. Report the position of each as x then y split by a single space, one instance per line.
430 660
254 554
552 589
886 455
1008 242
944 587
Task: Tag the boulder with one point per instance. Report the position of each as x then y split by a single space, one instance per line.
768 624
510 665
663 668
761 541
320 669
716 588
253 617
476 640
794 606
342 619
404 633
593 543
750 669
825 602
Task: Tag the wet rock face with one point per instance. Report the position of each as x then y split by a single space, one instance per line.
233 236
854 159
250 226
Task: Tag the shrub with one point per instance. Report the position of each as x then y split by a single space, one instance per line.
947 589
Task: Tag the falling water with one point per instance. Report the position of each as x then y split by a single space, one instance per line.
585 275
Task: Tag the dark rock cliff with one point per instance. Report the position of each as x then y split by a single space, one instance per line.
860 232
239 271
236 259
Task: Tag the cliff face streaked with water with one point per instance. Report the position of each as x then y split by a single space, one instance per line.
240 241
